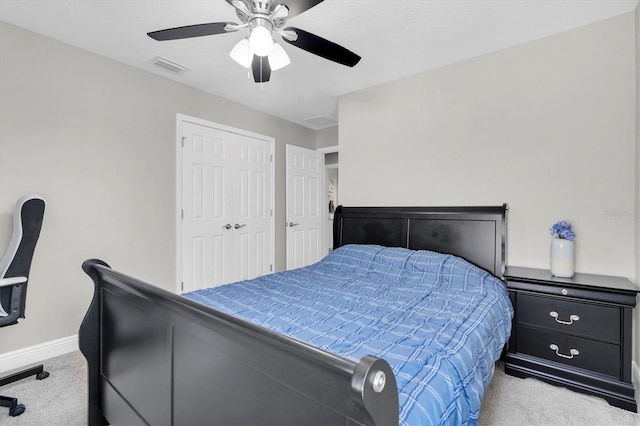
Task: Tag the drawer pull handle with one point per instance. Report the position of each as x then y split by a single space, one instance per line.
573 352
572 318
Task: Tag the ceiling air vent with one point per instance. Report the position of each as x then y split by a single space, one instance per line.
321 121
168 65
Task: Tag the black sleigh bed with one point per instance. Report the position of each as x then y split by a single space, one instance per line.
158 358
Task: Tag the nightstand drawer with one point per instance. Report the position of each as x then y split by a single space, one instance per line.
570 350
585 319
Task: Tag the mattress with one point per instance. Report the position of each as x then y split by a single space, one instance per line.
439 321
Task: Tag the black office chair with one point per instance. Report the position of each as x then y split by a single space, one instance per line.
14 276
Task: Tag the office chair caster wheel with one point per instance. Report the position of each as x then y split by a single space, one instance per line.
42 375
17 410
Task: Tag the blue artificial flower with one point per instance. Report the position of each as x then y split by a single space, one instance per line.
563 230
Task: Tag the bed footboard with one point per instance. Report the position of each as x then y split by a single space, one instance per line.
157 358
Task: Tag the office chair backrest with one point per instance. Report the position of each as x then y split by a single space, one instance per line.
16 262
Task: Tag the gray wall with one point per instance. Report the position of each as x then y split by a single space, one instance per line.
327 137
548 127
97 139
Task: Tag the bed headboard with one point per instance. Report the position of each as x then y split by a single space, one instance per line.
477 234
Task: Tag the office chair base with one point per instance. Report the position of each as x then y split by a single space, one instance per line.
37 371
16 409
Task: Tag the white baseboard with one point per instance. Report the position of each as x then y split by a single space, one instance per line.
38 353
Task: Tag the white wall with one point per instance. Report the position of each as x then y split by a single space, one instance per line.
547 127
97 139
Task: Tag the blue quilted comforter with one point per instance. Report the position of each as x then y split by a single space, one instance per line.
439 321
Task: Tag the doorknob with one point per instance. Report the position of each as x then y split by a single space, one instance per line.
291 224
239 226
227 226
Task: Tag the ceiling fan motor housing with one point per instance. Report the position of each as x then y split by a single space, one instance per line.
260 14
261 6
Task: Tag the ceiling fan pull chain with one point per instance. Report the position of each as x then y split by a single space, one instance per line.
249 62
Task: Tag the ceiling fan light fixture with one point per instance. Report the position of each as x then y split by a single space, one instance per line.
278 58
258 52
240 53
260 41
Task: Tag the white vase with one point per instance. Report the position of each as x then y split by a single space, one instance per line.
562 258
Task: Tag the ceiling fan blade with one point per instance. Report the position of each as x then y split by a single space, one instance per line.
189 31
296 7
321 47
261 69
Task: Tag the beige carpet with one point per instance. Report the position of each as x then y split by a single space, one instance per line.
512 401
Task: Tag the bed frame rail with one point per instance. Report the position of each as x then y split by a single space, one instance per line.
158 358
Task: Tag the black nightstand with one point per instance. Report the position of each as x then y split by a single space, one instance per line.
574 332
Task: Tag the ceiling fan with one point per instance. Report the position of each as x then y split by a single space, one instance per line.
258 50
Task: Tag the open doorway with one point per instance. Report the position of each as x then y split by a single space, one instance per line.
331 192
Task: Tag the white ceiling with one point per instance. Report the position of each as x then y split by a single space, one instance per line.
396 38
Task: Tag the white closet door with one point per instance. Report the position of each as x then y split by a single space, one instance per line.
304 214
252 218
207 246
226 201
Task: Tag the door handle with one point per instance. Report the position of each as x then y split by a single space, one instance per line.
291 224
227 226
239 226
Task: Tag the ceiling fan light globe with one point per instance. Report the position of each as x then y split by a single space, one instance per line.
278 58
260 41
240 53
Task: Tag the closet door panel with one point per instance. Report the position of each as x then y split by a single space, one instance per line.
226 196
